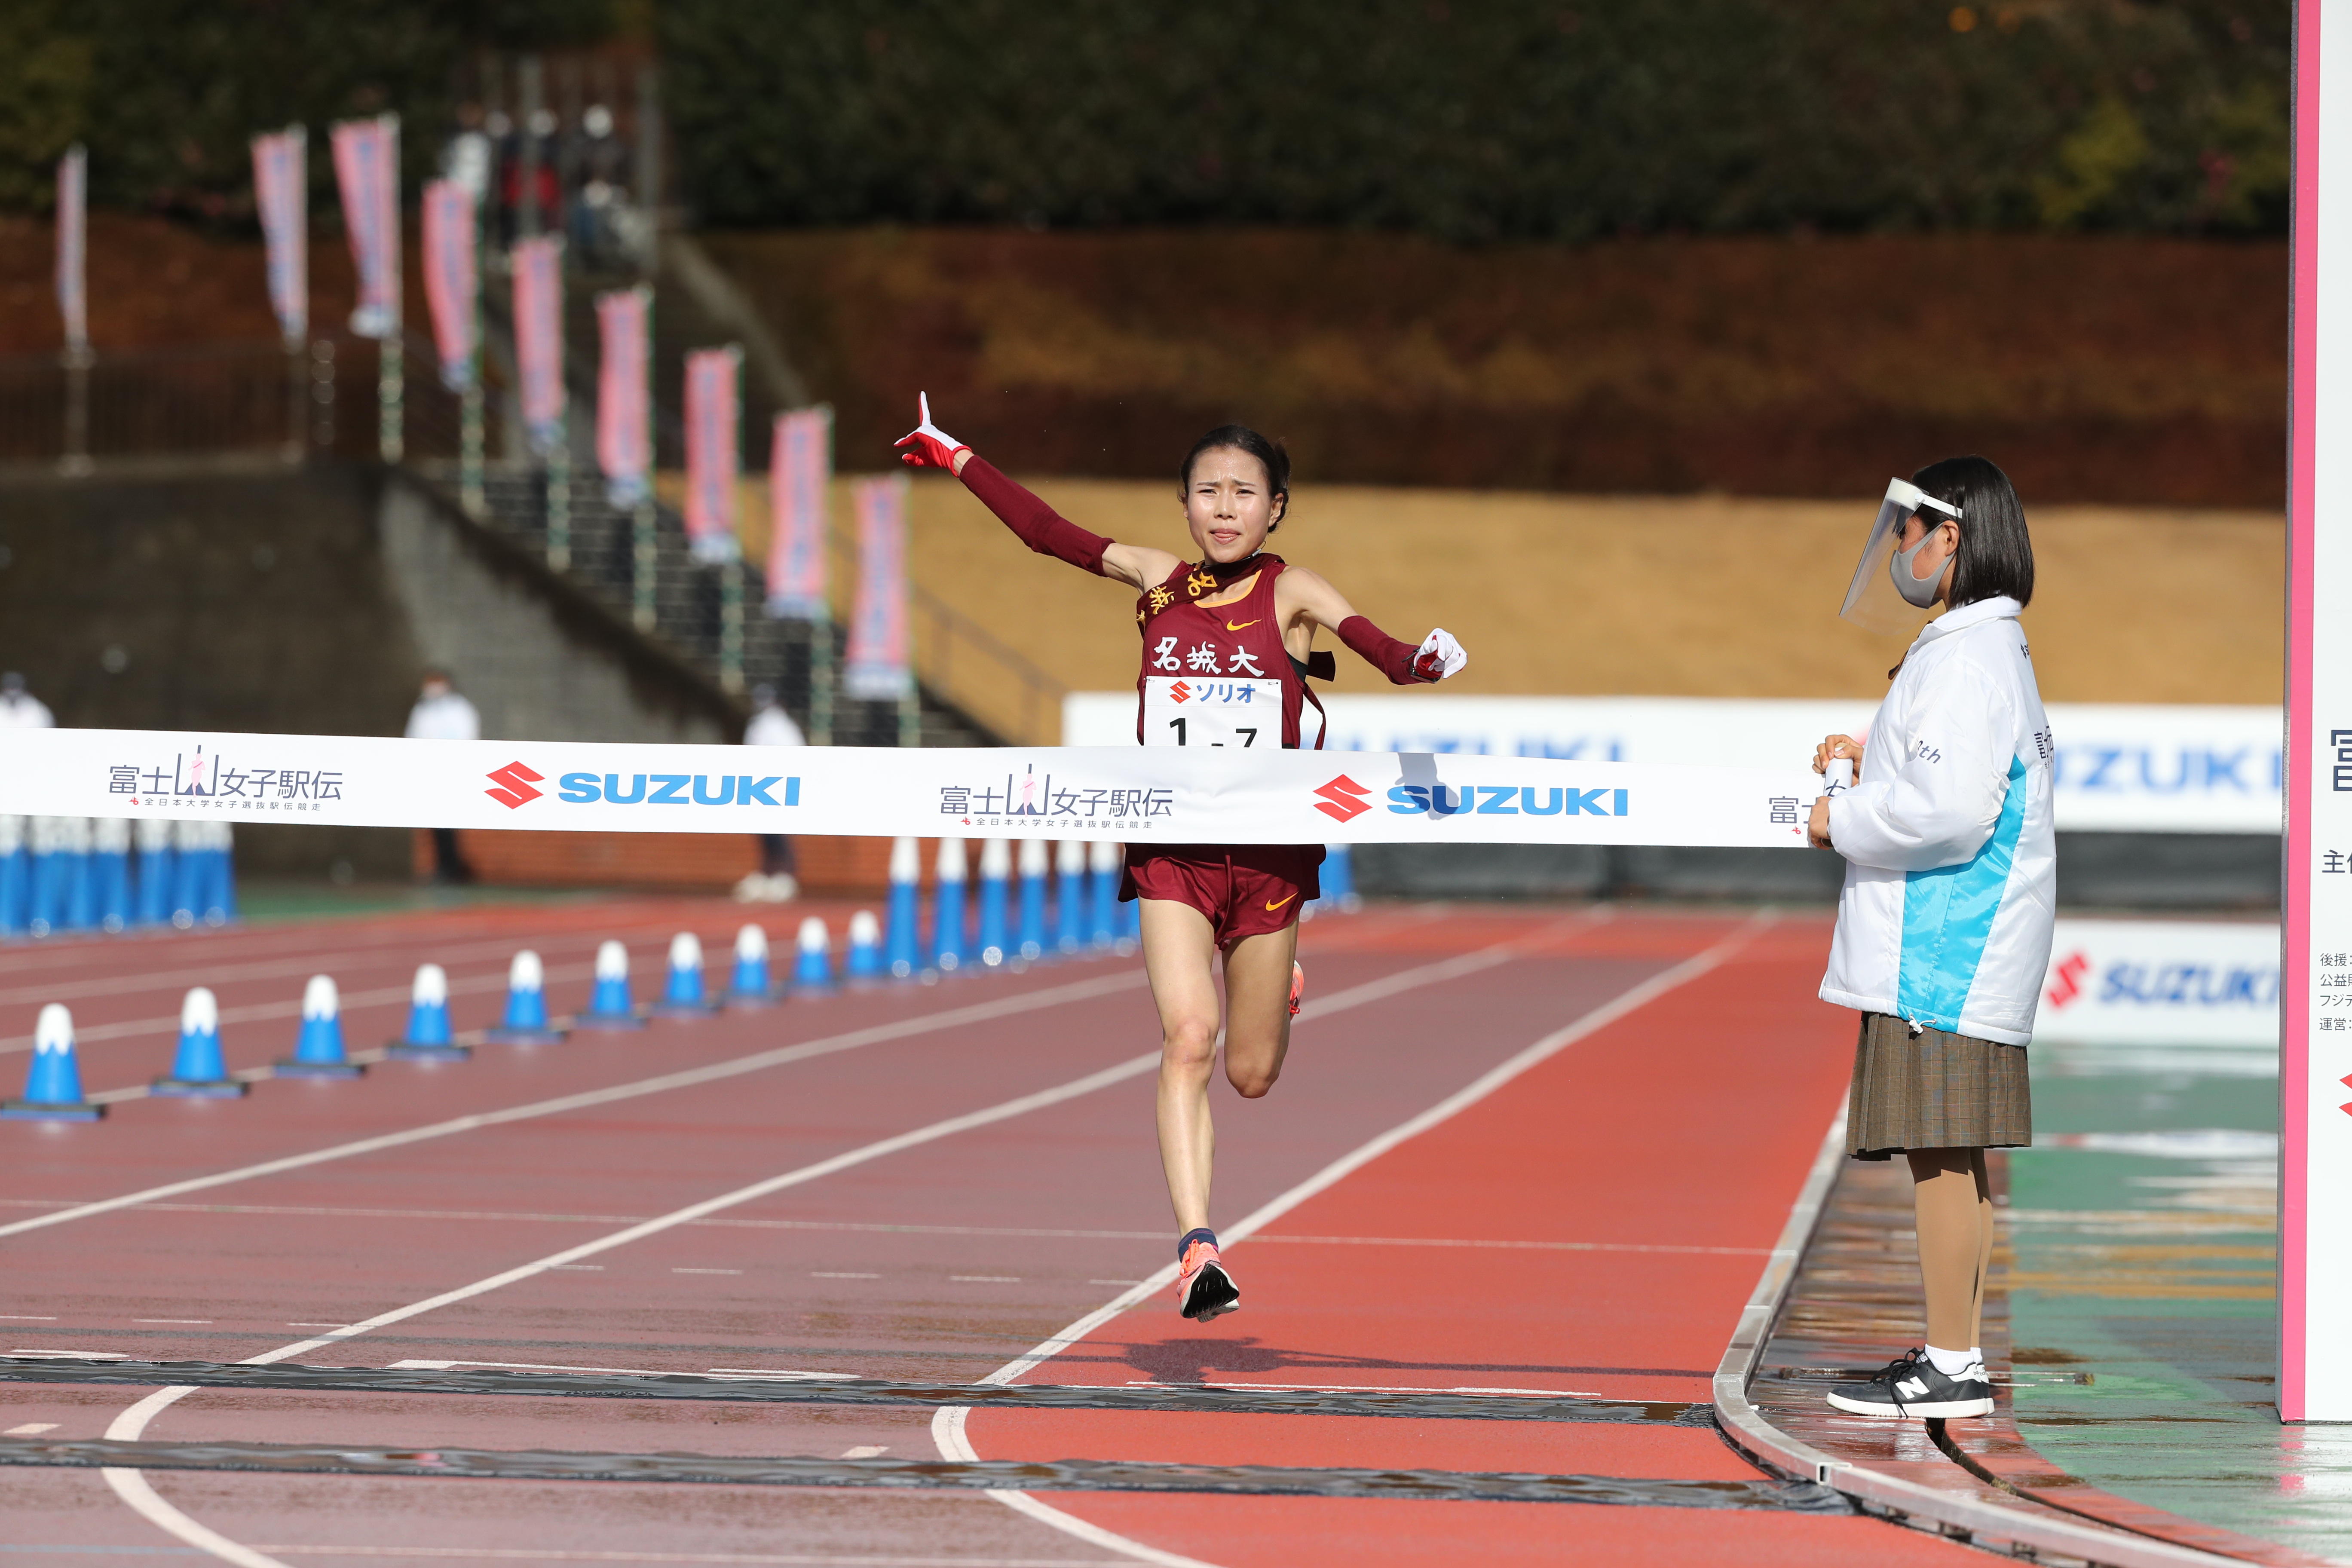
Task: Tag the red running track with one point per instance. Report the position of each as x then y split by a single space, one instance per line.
928 1181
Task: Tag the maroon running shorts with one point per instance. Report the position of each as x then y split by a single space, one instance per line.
1244 890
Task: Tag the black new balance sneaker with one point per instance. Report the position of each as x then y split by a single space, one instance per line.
1910 1388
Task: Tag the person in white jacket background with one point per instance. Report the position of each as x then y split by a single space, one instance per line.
1944 923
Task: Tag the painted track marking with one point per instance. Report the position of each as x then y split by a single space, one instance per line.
948 1424
134 1487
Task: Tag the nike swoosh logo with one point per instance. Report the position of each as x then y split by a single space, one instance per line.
1279 903
1231 628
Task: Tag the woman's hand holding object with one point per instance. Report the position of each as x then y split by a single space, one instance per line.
929 446
1834 747
1438 656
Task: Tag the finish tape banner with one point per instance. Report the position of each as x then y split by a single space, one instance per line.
1138 794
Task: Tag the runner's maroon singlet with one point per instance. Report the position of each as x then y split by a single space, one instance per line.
1219 676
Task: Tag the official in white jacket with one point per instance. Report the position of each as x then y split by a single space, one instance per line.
1944 925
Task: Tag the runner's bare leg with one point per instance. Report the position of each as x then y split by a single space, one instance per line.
1179 955
1257 1009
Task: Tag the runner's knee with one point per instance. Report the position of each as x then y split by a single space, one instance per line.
1252 1083
1191 1044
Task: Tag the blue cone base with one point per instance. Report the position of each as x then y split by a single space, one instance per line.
42 1111
523 1036
410 1051
289 1067
683 1009
609 1021
198 1088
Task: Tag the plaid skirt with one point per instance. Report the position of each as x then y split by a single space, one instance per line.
1933 1090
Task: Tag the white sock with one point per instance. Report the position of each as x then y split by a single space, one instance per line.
1952 1364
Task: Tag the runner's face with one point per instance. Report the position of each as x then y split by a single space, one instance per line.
1229 507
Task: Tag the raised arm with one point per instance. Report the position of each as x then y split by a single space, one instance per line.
1034 524
1301 595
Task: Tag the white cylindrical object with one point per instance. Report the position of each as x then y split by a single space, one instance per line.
320 999
111 835
686 951
612 960
1102 854
814 937
906 860
751 942
53 1031
1070 857
200 1013
74 835
1035 859
865 931
951 861
154 833
526 973
1839 773
996 860
432 986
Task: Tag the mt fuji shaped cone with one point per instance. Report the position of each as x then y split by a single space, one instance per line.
319 1048
197 1071
610 1005
429 1038
525 1022
53 1086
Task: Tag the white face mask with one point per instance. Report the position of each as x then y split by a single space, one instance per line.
1918 592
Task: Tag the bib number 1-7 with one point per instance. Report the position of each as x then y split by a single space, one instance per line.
1179 711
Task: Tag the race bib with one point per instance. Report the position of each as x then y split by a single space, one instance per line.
1180 711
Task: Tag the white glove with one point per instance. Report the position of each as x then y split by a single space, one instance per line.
927 446
1438 656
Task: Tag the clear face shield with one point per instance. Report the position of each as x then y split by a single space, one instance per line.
1886 595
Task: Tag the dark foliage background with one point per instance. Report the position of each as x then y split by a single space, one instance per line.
165 93
1476 120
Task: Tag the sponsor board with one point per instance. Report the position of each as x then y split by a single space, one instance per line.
2168 983
2119 767
1205 795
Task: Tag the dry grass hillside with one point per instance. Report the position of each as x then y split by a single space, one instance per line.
1701 596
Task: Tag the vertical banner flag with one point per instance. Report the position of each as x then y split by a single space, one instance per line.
799 475
281 196
367 171
73 209
624 428
878 666
539 337
450 279
2314 1251
713 418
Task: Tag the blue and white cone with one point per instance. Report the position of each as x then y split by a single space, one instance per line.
1102 894
1029 935
524 1022
996 874
110 872
1070 896
749 986
429 1038
682 993
53 1086
610 1005
188 874
197 1071
946 908
220 874
75 838
906 946
154 904
319 1048
16 876
864 965
813 969
45 906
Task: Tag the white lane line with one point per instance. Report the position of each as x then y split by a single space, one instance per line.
948 1423
132 1488
30 1429
191 1322
131 1485
705 1271
866 1451
929 1022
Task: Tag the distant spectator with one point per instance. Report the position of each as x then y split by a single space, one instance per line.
441 714
20 709
776 881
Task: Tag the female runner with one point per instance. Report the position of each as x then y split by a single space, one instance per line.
1227 645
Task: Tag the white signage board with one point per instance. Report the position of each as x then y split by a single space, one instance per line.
2162 982
2314 1299
2139 768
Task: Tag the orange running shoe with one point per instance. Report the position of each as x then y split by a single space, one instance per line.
1203 1289
1298 987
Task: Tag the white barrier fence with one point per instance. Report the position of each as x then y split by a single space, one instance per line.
2120 767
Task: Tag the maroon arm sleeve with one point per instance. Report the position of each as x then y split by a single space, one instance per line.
1039 526
1381 651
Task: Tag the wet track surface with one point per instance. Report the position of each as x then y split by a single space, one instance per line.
1484 1235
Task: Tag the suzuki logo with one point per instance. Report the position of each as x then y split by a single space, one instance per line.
516 780
1180 693
1342 799
2068 983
